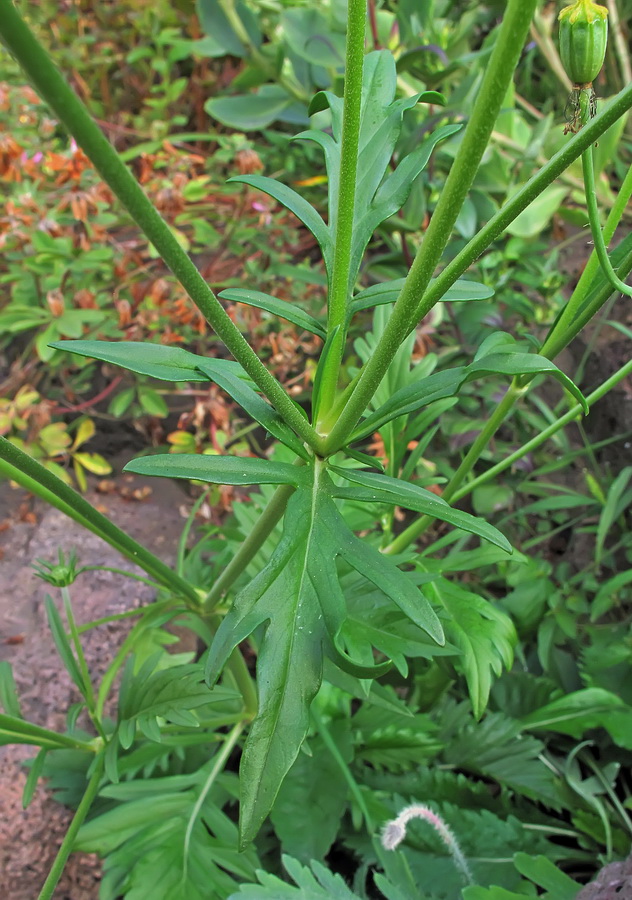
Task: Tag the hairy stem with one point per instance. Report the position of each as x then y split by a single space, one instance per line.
340 289
51 85
502 63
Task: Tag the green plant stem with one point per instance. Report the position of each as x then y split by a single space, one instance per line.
267 521
547 433
66 847
374 370
340 289
588 167
19 467
503 60
50 84
218 766
565 328
416 528
354 787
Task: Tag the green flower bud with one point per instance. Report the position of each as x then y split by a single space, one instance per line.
583 40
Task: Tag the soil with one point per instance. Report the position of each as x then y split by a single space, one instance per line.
29 838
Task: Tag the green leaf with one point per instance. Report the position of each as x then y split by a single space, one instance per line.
313 798
168 694
575 713
545 874
484 634
157 360
308 33
256 407
280 308
447 384
63 644
250 112
35 772
382 488
617 501
377 197
312 884
388 292
289 666
9 700
385 575
217 469
152 403
606 596
297 205
166 844
221 39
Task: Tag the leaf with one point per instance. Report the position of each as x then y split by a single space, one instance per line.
385 575
382 488
616 503
545 874
313 797
297 205
484 634
312 884
94 463
461 291
152 403
217 469
280 308
256 407
63 645
606 596
250 112
446 384
157 360
144 841
289 666
308 33
35 772
168 694
534 219
85 431
221 38
377 197
9 700
575 713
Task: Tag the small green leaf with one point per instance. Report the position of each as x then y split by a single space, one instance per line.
9 700
280 308
388 292
297 205
35 771
217 469
250 112
255 406
382 488
157 360
63 644
484 634
152 403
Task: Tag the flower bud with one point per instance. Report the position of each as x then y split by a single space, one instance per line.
583 40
